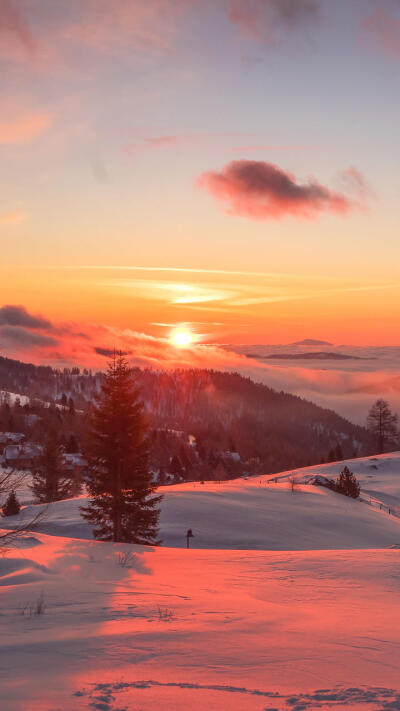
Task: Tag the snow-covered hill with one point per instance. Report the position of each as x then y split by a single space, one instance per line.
127 628
262 513
379 477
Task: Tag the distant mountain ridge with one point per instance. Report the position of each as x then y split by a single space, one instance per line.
310 355
311 342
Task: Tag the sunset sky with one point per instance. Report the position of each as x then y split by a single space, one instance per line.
225 166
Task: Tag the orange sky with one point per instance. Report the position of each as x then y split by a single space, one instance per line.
219 307
229 166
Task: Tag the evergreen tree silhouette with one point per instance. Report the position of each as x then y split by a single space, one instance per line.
347 484
12 506
121 505
50 481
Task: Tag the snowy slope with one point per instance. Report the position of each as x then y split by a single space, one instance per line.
379 477
258 514
167 629
177 630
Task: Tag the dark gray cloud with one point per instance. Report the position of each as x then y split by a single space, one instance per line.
17 335
11 315
109 352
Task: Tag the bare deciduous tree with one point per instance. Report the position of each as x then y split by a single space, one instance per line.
382 423
11 480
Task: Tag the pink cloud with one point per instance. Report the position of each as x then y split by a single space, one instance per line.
262 190
382 31
355 182
15 28
25 129
102 25
50 34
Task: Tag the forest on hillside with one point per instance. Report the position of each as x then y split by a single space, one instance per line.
203 423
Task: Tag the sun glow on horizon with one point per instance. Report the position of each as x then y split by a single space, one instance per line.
181 337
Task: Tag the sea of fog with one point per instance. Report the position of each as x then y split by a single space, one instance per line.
326 375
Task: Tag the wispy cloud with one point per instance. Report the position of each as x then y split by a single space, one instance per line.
267 20
381 30
193 270
14 26
271 298
56 30
173 292
268 147
194 140
353 181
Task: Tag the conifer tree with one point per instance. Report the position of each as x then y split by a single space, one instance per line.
176 468
121 504
50 483
338 453
219 473
162 476
72 445
12 506
347 484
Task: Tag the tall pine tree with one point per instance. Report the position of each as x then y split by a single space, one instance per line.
50 482
121 505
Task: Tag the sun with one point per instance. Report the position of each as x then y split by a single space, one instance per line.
181 337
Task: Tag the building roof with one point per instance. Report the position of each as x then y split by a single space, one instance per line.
75 459
11 437
22 451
